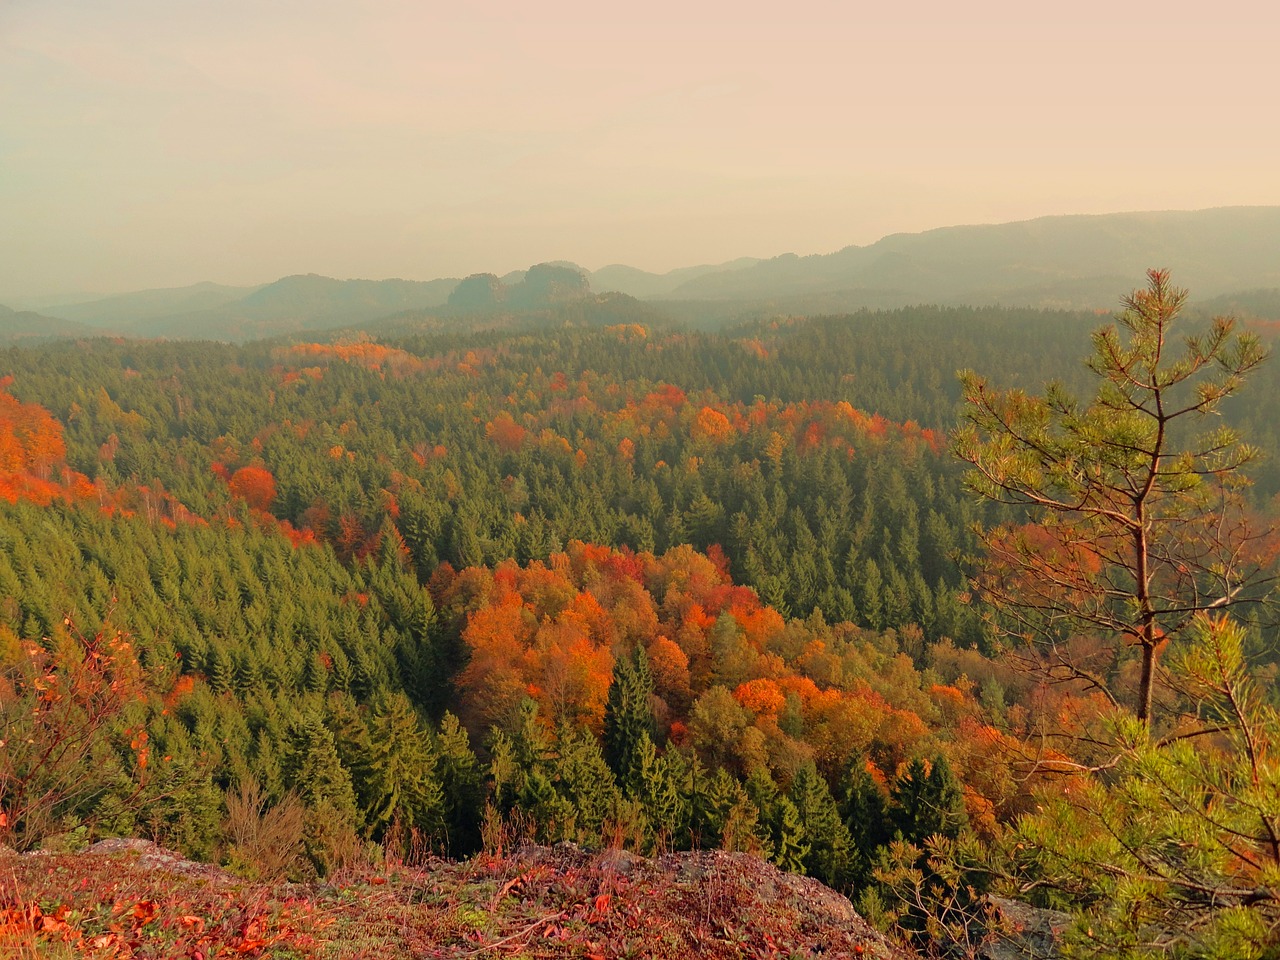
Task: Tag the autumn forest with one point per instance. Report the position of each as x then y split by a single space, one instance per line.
591 574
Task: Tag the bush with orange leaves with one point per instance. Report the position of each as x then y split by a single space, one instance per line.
63 706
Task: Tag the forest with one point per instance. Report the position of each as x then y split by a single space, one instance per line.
595 575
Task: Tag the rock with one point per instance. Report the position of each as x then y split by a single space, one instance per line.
124 845
1028 933
151 856
617 862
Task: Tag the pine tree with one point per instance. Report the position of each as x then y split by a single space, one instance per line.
1173 852
461 785
584 781
790 846
828 837
222 671
315 770
531 788
628 719
927 802
781 831
866 815
660 794
1138 525
402 770
729 818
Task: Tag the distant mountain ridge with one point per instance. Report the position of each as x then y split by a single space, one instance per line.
542 285
26 325
1068 261
641 283
288 305
143 305
1084 261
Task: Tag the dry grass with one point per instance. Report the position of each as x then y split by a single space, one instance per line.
265 841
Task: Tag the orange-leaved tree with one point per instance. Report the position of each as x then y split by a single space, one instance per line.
254 485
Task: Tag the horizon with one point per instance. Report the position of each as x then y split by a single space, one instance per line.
147 144
51 301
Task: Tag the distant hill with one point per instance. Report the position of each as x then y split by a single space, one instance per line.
143 305
542 285
1245 304
1071 261
313 302
288 305
25 326
640 283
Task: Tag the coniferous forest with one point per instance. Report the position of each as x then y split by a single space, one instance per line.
594 575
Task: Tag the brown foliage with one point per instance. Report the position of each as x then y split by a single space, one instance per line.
266 841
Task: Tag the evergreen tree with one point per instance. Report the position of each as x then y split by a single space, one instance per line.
660 795
461 786
404 784
927 801
1138 524
315 770
825 830
628 719
790 844
781 832
584 781
866 816
729 819
524 777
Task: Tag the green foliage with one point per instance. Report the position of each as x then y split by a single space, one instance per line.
934 895
393 768
324 786
927 802
932 876
666 794
866 814
628 719
823 828
289 641
461 786
584 781
782 832
1139 526
726 817
1174 850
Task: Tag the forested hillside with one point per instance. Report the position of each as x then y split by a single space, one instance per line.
604 582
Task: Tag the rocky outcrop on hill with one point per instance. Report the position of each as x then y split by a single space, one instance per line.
133 899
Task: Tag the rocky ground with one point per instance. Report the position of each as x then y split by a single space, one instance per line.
131 899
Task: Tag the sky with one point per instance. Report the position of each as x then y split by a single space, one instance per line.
158 143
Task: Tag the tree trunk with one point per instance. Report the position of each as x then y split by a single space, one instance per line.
1147 682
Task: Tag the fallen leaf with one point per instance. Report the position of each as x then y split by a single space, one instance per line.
144 912
190 922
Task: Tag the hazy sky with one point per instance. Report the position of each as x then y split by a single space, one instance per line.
161 142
